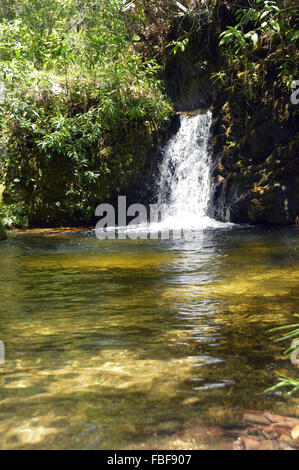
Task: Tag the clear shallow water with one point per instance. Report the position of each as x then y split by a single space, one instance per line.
124 344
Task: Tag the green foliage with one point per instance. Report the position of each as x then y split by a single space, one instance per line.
179 44
293 335
164 27
80 97
79 109
12 215
262 39
266 18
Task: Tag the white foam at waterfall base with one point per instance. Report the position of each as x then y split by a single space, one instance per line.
184 186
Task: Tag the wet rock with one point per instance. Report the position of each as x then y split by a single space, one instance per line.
295 433
268 432
259 171
249 443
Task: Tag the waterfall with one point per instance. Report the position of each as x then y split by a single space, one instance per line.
184 187
184 191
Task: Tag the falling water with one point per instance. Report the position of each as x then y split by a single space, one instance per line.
184 184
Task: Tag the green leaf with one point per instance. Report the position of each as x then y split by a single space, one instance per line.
295 35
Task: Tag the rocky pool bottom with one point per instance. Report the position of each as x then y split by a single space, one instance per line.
142 344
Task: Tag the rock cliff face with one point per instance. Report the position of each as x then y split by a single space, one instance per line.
256 175
254 142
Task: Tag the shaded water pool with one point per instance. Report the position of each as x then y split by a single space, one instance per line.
125 344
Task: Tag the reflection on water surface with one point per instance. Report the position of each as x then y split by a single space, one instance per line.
124 344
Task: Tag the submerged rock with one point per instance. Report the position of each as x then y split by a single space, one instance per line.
268 432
